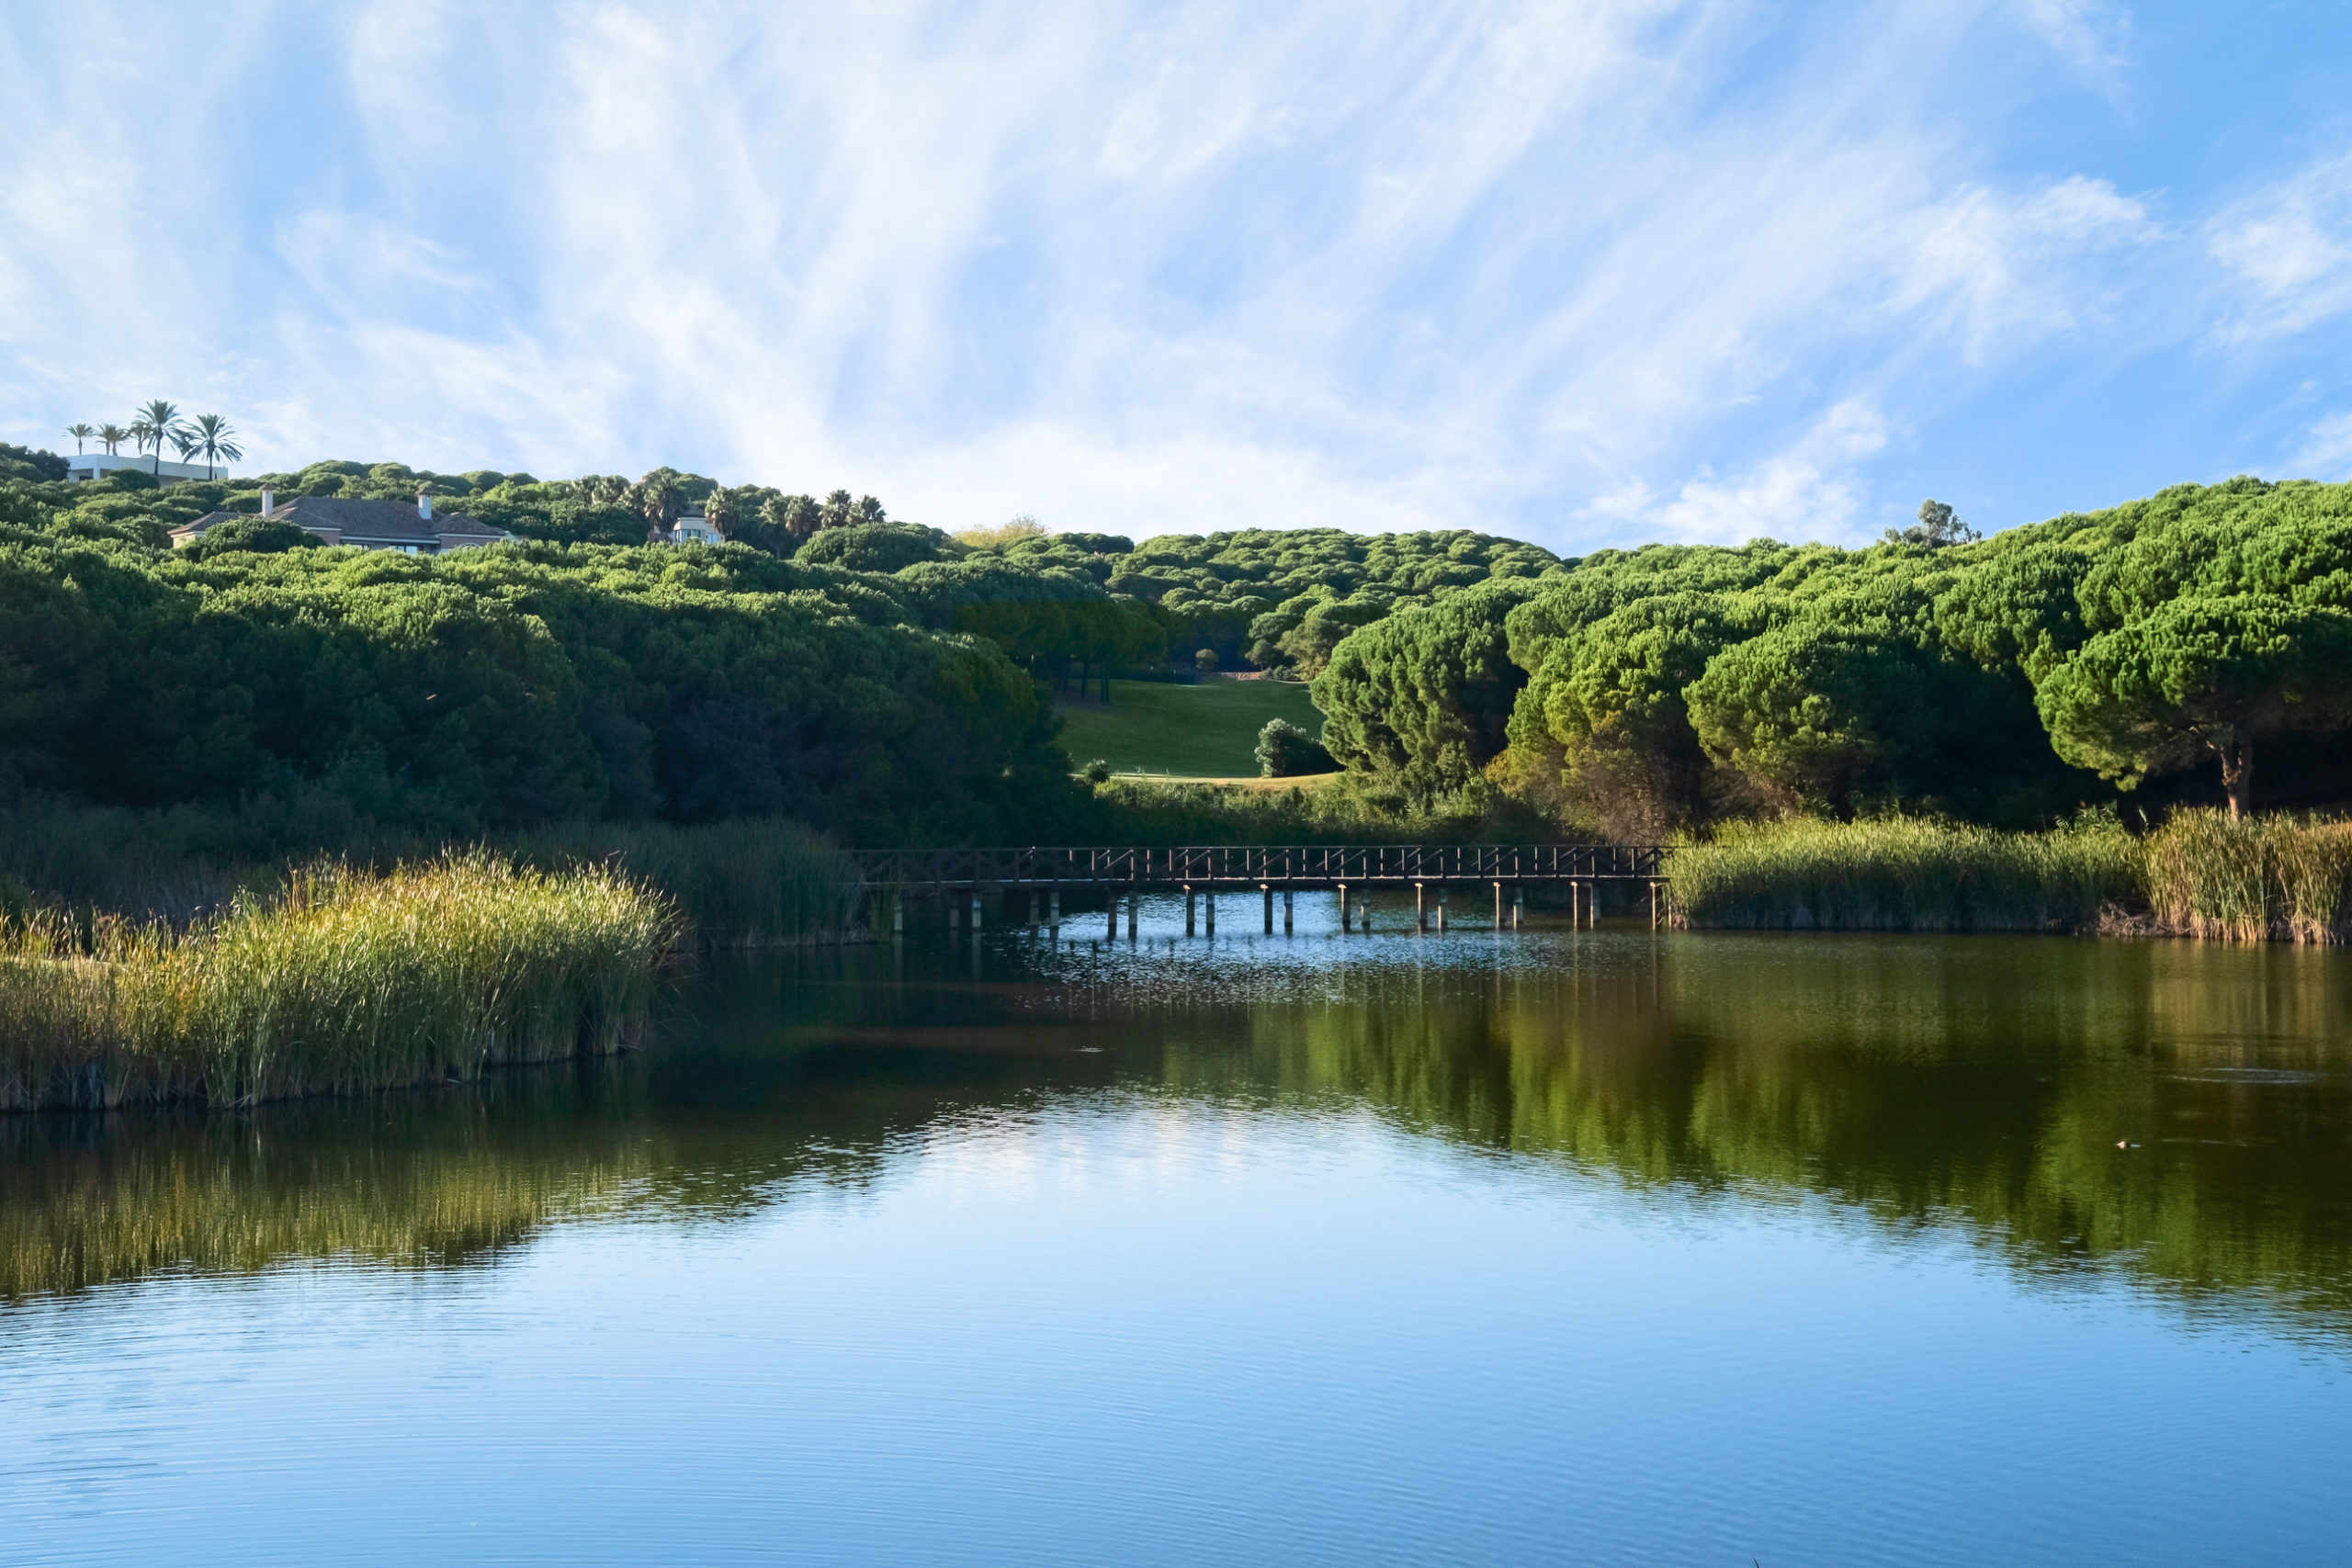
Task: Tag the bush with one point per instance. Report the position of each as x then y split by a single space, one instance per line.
878 547
1285 751
254 535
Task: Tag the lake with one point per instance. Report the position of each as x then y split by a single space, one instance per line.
1558 1247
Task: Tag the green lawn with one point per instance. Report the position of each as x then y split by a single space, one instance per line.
1208 731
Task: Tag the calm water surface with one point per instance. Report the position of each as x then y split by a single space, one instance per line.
1556 1247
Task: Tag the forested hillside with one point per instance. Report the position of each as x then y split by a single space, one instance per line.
2173 642
881 679
876 678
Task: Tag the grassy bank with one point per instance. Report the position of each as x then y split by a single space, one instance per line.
1208 730
1902 873
347 980
2199 875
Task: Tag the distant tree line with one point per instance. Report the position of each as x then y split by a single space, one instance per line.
881 677
2168 643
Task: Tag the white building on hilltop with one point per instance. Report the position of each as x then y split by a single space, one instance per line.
87 465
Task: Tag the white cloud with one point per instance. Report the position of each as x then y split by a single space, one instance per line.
1370 262
1995 267
1809 492
2290 248
2326 452
2091 36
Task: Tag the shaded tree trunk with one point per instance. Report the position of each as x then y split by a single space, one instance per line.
2237 774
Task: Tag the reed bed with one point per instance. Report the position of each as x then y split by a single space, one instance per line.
2263 878
346 980
2278 878
1904 874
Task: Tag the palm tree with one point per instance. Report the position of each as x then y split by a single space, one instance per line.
164 420
111 436
141 433
212 434
80 431
658 502
184 442
721 510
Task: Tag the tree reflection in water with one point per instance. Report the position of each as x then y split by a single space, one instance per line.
1981 1082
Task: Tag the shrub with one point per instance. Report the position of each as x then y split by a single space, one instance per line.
1285 751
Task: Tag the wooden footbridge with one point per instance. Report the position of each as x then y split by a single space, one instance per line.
967 881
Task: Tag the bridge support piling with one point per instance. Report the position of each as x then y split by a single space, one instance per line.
1033 908
1268 889
1111 908
1054 908
954 915
1441 908
1498 905
1286 911
1133 899
1208 907
897 916
977 907
1518 906
1420 906
1188 909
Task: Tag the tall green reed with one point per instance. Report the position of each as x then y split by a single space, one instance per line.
346 980
1904 874
2279 876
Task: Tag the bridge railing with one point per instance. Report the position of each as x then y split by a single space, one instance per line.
1233 865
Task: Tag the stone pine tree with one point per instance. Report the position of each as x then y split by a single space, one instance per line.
2200 680
1938 526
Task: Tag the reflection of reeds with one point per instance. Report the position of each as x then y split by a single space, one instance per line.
1903 873
344 981
110 1214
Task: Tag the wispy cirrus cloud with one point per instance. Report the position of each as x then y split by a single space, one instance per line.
1563 270
2289 248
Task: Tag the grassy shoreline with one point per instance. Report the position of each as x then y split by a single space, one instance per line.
347 981
2275 878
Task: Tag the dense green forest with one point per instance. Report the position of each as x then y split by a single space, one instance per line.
2160 646
876 678
883 680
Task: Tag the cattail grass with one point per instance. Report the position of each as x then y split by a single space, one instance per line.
2271 878
2261 878
1904 874
344 981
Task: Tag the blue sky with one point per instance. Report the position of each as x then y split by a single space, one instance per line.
1585 273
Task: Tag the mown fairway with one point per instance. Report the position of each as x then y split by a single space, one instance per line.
1208 731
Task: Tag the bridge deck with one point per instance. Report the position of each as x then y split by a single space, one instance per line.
1251 865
